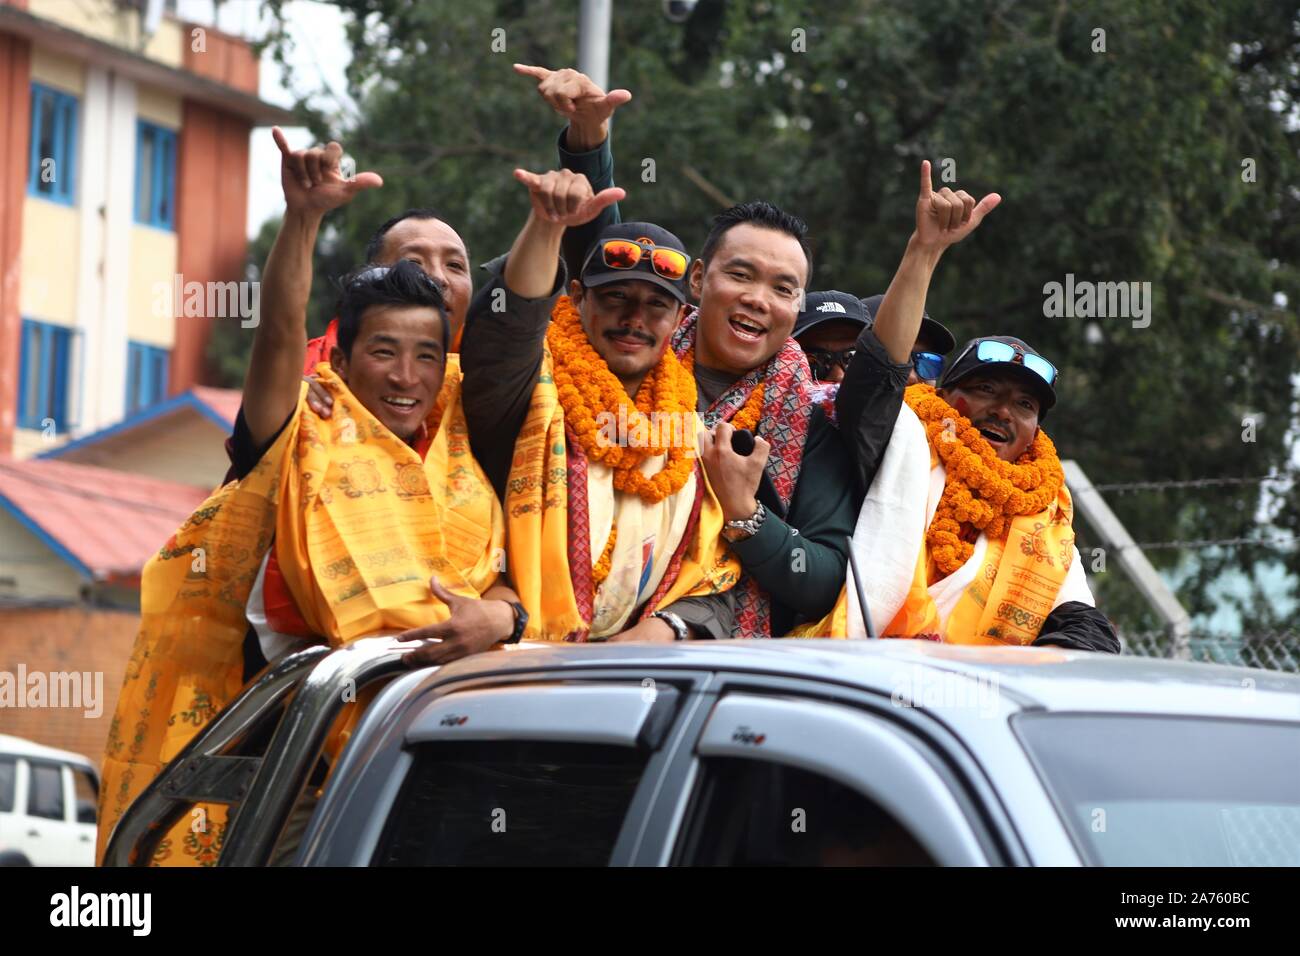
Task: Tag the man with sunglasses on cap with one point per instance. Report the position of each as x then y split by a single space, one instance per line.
966 533
585 422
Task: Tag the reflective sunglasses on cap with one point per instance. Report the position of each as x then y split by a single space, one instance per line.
821 361
1004 352
928 365
627 253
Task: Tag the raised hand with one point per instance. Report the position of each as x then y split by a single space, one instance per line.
946 217
313 179
564 197
579 100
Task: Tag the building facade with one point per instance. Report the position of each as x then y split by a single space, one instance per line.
124 146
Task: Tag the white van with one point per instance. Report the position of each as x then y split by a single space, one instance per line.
47 805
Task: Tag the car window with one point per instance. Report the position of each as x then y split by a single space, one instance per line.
1166 791
8 780
511 803
758 813
45 792
86 793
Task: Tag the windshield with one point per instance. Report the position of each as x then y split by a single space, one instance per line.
1171 791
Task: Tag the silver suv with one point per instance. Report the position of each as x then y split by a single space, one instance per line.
750 753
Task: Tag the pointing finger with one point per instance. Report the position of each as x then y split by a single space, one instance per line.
926 187
536 72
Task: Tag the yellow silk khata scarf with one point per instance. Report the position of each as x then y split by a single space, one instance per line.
1025 513
538 506
359 524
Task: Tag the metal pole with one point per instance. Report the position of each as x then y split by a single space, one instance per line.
1113 533
594 17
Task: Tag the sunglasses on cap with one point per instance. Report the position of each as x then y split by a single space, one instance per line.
928 365
1003 352
821 361
627 254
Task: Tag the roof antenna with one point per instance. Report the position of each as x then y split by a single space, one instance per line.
862 598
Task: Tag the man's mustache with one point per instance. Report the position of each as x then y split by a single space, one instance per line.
997 423
630 333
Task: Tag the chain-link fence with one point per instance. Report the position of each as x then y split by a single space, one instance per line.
1278 651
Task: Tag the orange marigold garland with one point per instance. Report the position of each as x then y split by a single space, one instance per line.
747 415
981 491
586 388
600 570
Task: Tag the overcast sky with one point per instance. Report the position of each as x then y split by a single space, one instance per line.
318 59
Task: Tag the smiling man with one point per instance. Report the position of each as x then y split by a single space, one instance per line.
612 533
997 562
332 530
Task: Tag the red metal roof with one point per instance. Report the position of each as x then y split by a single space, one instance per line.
223 401
103 522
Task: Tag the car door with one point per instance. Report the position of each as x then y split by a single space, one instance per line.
531 772
45 833
780 779
82 790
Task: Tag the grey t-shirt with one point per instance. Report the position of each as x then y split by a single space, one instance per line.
709 385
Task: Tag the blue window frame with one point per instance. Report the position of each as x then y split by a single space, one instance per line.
43 375
54 137
146 376
155 176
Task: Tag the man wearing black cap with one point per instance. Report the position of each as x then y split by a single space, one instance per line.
933 342
587 427
957 548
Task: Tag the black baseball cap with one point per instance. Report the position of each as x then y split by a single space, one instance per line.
936 331
968 363
831 306
595 272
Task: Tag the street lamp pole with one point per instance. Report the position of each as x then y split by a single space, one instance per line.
593 40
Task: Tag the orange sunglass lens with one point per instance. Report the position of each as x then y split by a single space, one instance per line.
620 254
669 263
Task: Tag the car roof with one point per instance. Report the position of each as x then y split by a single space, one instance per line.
1042 678
21 747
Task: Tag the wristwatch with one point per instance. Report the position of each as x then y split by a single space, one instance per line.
680 633
521 622
746 528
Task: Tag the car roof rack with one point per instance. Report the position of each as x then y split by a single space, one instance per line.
310 687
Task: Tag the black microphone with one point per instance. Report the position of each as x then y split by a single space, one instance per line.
742 442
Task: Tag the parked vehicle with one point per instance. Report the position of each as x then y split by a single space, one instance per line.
47 805
753 753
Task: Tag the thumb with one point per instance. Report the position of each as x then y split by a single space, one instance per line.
365 181
606 197
984 207
926 186
442 594
531 180
616 98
